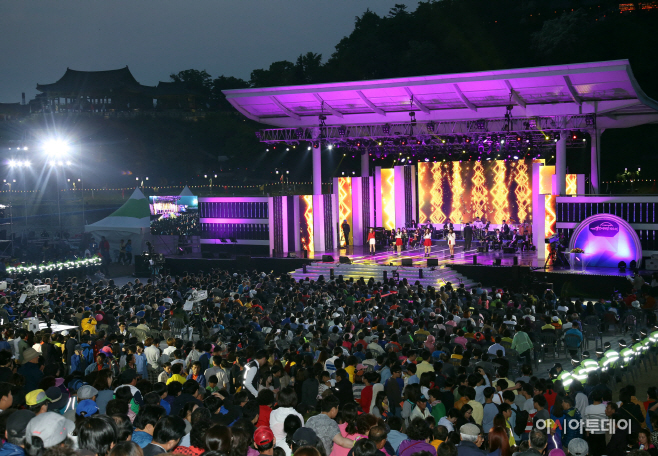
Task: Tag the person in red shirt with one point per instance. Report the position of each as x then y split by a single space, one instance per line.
371 240
369 379
266 401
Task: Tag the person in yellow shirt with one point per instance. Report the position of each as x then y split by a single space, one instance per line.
439 435
176 376
88 323
351 367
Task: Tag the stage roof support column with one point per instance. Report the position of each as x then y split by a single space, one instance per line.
561 165
595 165
538 212
365 164
317 163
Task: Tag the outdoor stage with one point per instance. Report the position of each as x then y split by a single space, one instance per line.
467 267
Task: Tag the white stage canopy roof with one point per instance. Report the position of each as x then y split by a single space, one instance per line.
607 89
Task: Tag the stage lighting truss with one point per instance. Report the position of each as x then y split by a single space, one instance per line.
514 137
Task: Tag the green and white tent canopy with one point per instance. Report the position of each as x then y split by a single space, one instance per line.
130 221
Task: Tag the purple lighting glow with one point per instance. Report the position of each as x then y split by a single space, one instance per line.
606 240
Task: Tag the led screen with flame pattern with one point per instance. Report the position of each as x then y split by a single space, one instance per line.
345 206
461 191
388 198
306 222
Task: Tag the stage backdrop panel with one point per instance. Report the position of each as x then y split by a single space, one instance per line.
306 222
388 198
345 208
461 191
606 240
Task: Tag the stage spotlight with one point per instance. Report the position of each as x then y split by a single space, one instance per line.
590 120
516 157
502 140
518 138
56 148
403 141
316 144
330 146
574 135
443 140
467 139
494 137
418 142
299 133
258 135
427 159
358 144
342 130
480 124
386 128
451 139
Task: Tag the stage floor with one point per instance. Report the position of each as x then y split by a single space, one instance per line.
360 255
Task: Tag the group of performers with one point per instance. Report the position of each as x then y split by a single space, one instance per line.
508 235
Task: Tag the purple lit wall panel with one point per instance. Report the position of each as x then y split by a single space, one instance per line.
238 199
606 240
400 197
233 220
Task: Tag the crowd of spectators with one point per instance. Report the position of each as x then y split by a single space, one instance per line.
267 365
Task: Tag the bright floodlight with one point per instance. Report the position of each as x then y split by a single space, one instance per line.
12 163
56 148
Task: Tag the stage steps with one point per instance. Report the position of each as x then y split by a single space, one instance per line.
436 278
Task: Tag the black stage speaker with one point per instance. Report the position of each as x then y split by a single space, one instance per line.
327 259
407 262
475 259
432 262
515 261
509 250
344 260
496 261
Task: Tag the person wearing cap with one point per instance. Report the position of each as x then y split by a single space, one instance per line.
420 410
264 440
15 433
578 447
53 429
38 401
86 408
30 369
60 402
471 441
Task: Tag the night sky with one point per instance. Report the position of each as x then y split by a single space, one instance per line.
158 37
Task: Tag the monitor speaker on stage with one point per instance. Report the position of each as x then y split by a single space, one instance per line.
407 262
327 259
515 261
432 262
497 262
344 260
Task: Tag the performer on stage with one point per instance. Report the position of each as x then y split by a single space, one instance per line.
398 241
468 236
451 237
427 242
504 228
346 232
371 240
